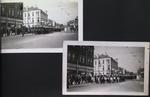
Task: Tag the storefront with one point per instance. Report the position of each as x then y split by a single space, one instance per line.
9 25
11 17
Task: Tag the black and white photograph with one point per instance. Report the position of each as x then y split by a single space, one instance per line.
105 68
37 24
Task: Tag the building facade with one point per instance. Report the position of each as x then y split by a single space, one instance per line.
80 59
73 25
11 17
121 71
34 17
105 65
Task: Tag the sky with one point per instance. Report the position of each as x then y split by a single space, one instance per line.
61 11
129 58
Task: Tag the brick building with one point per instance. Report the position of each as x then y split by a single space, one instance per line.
80 59
11 17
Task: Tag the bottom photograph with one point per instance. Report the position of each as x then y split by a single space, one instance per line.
105 68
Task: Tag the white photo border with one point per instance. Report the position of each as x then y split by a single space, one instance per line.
146 45
52 50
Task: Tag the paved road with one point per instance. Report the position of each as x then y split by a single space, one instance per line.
51 40
127 86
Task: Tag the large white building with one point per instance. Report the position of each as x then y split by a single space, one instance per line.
34 17
105 65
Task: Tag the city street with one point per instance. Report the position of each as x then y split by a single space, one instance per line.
127 86
51 40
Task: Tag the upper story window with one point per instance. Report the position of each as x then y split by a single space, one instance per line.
3 10
38 19
99 62
95 62
103 67
28 14
37 13
32 13
108 67
32 20
103 61
24 14
13 12
9 13
108 61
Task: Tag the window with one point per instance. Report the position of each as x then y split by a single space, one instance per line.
95 63
37 13
3 10
38 20
73 56
32 20
99 64
24 14
83 59
13 12
108 67
91 61
80 58
103 61
18 13
103 67
9 12
28 14
108 62
69 54
21 13
32 13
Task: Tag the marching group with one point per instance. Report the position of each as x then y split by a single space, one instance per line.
99 79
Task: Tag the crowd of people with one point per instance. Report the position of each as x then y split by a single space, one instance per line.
9 31
75 79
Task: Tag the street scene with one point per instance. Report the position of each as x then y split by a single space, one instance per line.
42 24
105 69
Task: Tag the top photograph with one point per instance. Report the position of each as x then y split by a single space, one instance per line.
36 25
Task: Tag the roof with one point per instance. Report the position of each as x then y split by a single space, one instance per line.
103 56
31 8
